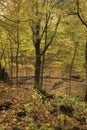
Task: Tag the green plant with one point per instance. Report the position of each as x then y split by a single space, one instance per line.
2 127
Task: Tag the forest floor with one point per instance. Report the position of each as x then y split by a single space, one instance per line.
22 108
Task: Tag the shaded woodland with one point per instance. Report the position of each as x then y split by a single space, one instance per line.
43 61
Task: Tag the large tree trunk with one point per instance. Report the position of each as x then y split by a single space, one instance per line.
86 69
37 84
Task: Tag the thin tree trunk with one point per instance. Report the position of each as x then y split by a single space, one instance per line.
11 67
71 68
17 52
18 41
11 60
86 68
17 64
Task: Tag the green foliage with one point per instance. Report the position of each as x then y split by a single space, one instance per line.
2 127
43 109
70 30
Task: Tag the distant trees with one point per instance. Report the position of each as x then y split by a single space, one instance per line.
43 18
10 20
77 12
81 12
27 24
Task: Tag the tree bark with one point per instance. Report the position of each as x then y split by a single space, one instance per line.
37 66
86 68
17 52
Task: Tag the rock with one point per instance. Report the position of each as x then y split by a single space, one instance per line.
81 120
5 106
49 97
54 112
76 77
1 107
34 115
21 114
85 99
58 128
15 128
39 125
45 95
76 128
68 110
61 97
43 92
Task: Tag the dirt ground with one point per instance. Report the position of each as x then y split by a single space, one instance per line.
22 94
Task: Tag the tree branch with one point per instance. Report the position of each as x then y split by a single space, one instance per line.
52 37
45 26
79 15
13 20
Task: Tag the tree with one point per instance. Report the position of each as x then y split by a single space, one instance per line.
83 19
43 14
12 24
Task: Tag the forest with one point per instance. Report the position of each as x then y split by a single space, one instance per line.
43 64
